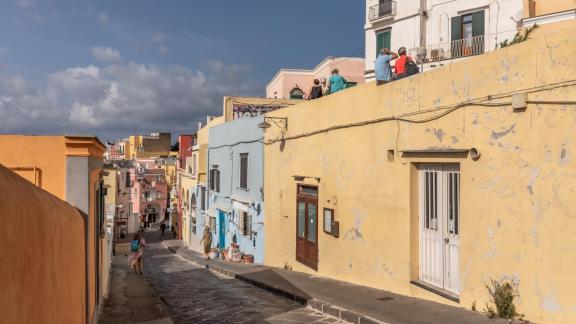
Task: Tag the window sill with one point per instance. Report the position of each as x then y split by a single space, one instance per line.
446 294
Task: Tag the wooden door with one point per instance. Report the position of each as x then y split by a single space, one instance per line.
307 226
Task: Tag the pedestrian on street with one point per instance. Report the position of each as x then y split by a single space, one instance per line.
336 82
162 228
136 248
207 240
382 68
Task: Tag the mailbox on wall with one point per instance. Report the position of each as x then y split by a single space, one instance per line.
331 226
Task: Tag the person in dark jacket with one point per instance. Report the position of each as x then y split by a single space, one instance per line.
315 90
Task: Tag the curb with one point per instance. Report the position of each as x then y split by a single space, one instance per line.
319 305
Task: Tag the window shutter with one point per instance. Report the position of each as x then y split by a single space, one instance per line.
387 36
456 28
478 23
382 41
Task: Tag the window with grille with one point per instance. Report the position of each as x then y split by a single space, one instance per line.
244 170
203 198
246 222
215 179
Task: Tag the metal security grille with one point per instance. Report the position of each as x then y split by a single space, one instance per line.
244 170
439 230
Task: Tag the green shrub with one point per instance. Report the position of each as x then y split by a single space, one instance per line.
519 37
502 294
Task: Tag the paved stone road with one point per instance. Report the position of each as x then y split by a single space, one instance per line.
195 294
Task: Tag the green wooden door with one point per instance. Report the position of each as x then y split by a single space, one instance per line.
382 40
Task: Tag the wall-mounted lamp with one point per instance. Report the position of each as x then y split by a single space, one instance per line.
281 122
474 154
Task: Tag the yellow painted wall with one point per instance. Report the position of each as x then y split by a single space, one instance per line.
93 239
203 146
187 184
546 7
44 152
517 216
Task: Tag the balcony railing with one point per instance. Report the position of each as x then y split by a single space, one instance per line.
384 9
463 47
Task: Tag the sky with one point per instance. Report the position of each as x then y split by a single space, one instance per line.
119 67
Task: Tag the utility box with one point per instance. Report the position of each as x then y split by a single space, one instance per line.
519 102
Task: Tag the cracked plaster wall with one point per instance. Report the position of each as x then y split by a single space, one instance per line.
518 216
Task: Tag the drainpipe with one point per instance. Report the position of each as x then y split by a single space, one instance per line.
423 18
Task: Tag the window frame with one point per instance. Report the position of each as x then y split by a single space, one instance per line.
246 223
202 198
243 171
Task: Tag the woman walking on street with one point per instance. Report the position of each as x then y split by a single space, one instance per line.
207 240
136 247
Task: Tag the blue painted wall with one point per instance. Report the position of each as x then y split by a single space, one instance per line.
226 142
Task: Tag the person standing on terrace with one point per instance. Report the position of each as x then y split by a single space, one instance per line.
336 82
382 68
316 90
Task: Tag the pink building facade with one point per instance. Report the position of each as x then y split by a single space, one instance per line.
149 194
296 83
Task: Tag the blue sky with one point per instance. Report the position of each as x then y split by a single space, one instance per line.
117 67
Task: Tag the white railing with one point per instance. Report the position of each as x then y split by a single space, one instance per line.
463 47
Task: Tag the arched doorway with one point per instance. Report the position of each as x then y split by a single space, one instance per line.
193 213
296 93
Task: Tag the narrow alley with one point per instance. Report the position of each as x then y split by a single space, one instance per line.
175 290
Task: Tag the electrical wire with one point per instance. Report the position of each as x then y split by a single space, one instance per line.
237 143
448 109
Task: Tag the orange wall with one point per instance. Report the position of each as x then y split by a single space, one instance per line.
41 255
43 152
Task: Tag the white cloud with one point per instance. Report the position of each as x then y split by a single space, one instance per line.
163 50
25 3
103 18
157 37
106 54
120 99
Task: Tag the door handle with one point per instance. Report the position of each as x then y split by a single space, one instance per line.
446 240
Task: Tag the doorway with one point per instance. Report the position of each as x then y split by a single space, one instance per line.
439 200
221 229
307 226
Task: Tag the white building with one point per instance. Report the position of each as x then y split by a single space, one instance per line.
448 30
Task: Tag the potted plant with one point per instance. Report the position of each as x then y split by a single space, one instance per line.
248 258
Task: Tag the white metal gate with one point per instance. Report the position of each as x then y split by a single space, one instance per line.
439 225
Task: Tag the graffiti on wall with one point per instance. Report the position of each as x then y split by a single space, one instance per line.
251 110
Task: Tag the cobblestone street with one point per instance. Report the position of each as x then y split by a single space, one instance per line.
195 294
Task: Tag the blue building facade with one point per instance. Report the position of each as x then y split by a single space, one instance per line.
234 205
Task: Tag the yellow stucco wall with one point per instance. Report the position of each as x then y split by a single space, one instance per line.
203 146
44 152
546 7
187 184
517 201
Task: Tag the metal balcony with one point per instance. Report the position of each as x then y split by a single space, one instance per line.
463 47
383 10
